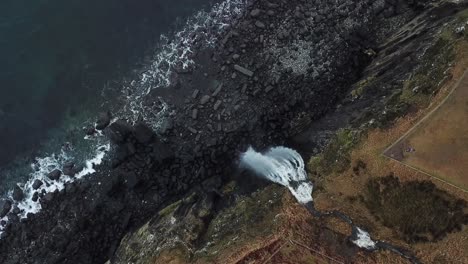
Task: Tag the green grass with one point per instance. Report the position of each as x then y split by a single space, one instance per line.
336 156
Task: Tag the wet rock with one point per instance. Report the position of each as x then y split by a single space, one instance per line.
18 194
48 197
5 207
90 131
143 133
103 120
37 184
16 210
54 175
68 169
13 218
35 197
119 131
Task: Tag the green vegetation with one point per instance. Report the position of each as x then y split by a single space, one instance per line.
250 217
418 210
433 71
336 156
361 86
169 209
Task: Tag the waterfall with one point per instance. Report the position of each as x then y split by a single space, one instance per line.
283 166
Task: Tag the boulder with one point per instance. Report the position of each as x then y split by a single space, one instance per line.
68 169
103 120
18 194
54 175
37 184
119 131
143 133
5 207
255 13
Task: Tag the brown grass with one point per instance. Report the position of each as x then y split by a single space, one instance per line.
440 141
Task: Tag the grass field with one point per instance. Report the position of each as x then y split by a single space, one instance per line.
438 145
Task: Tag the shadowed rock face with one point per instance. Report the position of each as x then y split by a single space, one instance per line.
302 60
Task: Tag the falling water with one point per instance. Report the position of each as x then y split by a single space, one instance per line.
283 166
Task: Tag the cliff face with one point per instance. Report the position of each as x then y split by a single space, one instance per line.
417 48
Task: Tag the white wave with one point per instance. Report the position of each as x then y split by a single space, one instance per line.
364 240
41 168
176 54
283 166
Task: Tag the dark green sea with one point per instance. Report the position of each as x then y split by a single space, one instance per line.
66 62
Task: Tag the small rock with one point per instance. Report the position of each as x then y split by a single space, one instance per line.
268 89
255 13
217 105
195 93
37 184
260 24
243 70
217 91
90 131
204 99
194 113
35 197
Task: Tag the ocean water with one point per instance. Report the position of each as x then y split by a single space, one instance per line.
58 55
68 61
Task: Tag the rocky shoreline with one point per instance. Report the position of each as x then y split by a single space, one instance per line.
278 61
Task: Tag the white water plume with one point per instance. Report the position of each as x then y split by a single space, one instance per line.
283 166
363 240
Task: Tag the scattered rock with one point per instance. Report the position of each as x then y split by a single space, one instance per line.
194 113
